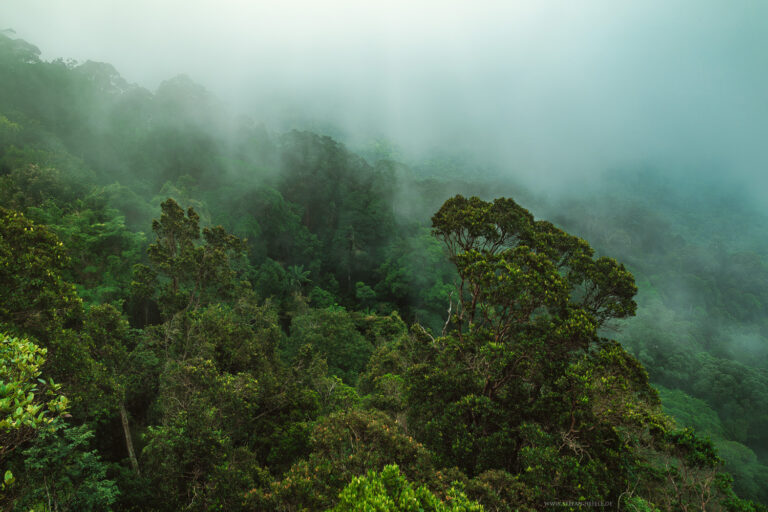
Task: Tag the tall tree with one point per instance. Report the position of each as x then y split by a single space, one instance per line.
523 384
190 273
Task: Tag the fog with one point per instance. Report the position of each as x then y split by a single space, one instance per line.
551 92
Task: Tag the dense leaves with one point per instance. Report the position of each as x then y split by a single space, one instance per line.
389 490
35 296
64 476
28 404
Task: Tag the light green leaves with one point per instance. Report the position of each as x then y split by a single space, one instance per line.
22 410
389 491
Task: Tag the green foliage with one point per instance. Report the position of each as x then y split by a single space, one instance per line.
207 436
41 303
691 412
638 504
345 203
417 277
8 131
334 335
503 491
345 445
30 185
382 381
364 294
271 281
61 474
192 274
524 384
24 410
700 328
738 460
530 300
321 299
272 226
102 250
20 362
503 255
36 299
390 491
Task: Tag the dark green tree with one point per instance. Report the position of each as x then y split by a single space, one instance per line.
333 334
522 383
189 273
36 299
63 474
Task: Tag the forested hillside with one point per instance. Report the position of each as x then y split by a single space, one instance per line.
698 253
197 313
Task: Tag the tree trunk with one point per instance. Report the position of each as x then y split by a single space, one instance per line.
128 439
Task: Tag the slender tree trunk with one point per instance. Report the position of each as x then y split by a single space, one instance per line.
128 439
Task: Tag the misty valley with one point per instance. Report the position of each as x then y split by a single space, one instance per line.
200 311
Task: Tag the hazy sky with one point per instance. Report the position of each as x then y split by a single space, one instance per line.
549 89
